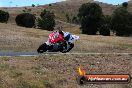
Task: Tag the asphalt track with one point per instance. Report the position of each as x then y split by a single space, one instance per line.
11 54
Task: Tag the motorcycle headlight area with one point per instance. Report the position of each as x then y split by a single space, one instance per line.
75 37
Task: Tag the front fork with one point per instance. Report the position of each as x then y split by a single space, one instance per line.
71 45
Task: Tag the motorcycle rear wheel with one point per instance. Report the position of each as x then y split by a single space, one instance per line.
42 48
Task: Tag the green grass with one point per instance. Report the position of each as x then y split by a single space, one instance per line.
32 84
128 45
4 67
5 58
24 84
47 84
15 73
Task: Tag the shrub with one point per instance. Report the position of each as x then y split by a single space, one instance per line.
75 20
68 18
23 84
25 20
90 15
24 10
29 10
46 20
4 16
47 84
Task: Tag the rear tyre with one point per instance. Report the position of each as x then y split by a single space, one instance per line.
63 47
42 48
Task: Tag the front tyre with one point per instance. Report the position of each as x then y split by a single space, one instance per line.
71 46
42 48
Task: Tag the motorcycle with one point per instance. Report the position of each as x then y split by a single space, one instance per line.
59 47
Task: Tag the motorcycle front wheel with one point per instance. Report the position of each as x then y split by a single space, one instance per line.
71 46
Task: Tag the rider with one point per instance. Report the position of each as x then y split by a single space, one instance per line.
68 37
56 37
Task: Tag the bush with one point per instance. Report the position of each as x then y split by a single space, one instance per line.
75 20
90 15
25 20
46 21
4 16
68 18
23 84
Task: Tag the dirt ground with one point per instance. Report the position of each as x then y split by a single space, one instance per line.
60 71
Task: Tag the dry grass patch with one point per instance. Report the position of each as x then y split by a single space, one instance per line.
103 44
15 38
57 71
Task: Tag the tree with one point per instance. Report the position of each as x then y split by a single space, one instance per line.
46 20
105 25
90 15
104 30
121 22
25 20
125 4
4 16
33 5
50 4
